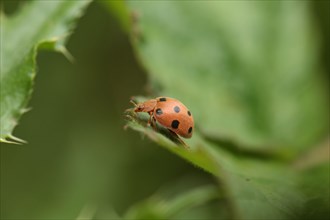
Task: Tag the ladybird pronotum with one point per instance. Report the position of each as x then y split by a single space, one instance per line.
170 113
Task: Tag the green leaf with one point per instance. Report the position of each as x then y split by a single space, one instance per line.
247 70
315 184
120 11
160 207
250 185
39 24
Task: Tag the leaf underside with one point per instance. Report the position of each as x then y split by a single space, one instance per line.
247 72
249 77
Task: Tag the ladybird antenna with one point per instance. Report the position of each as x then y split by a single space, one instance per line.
134 103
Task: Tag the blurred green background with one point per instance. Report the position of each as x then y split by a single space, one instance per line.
78 153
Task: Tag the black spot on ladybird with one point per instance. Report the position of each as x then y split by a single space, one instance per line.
159 111
189 113
175 124
190 130
177 109
162 99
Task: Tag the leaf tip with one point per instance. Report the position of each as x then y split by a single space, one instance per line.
17 140
12 140
66 53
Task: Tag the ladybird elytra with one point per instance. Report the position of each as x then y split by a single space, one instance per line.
170 113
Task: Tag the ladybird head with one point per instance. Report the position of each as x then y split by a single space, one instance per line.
146 106
139 107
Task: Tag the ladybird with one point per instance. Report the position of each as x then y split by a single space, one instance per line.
170 113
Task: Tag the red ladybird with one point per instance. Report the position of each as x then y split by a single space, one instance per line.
170 113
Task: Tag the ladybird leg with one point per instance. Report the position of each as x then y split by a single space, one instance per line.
150 121
153 123
177 138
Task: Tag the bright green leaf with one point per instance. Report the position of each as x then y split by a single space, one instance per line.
250 185
160 207
249 73
39 24
247 70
